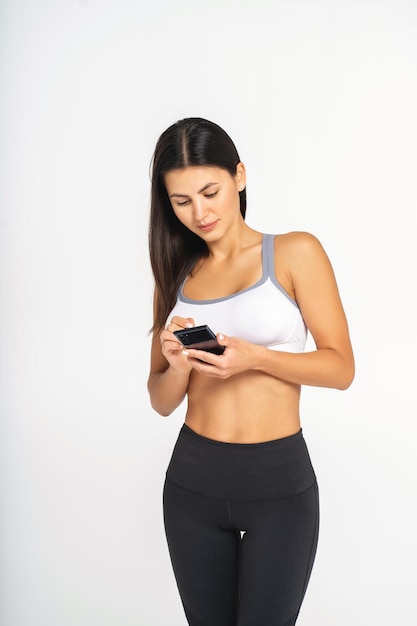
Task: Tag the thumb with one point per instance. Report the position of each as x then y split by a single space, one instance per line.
222 339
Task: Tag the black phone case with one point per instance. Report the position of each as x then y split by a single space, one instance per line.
199 338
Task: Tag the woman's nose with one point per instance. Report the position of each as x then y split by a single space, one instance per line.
199 209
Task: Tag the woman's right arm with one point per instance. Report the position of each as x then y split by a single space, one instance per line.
170 369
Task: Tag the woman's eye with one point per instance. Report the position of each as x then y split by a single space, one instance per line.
183 203
211 195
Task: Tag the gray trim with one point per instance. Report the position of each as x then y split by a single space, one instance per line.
269 244
268 271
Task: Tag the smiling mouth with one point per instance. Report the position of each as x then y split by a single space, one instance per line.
206 227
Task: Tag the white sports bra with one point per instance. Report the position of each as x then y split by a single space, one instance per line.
264 314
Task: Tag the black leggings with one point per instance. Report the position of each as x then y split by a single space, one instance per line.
241 522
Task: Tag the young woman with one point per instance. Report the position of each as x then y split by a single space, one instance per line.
240 497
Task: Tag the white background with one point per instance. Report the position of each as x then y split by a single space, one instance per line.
321 100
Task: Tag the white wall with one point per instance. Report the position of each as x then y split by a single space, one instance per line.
321 99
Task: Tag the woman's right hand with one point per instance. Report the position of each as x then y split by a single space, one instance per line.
171 348
170 368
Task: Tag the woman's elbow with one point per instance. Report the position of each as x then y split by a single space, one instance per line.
160 407
162 410
347 375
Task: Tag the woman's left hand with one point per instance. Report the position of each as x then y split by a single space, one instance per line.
239 356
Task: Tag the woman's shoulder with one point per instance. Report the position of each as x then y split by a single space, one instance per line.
299 251
296 243
298 254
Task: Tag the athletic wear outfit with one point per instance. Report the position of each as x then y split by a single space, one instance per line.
241 520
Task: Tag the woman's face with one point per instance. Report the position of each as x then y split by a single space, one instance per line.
206 199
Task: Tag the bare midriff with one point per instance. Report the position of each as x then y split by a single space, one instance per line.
250 407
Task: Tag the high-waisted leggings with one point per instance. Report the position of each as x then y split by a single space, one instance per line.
241 522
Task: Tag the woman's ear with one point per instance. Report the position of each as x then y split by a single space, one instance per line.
240 176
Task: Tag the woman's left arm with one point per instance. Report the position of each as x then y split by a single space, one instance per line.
316 292
312 281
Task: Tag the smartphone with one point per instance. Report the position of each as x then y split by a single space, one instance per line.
199 338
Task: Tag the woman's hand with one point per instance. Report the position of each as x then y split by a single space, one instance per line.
171 348
170 368
239 356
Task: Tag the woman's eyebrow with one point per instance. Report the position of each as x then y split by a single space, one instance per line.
183 195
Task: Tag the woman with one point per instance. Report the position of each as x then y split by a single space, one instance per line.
240 497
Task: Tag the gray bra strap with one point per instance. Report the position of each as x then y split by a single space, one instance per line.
268 263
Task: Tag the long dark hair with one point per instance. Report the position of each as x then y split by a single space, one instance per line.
174 250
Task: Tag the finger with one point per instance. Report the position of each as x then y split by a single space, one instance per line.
166 335
222 339
181 322
201 355
169 341
206 364
171 347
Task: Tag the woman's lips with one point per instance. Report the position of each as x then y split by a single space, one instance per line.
207 227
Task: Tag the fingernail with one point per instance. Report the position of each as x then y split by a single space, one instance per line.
185 353
188 325
221 336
